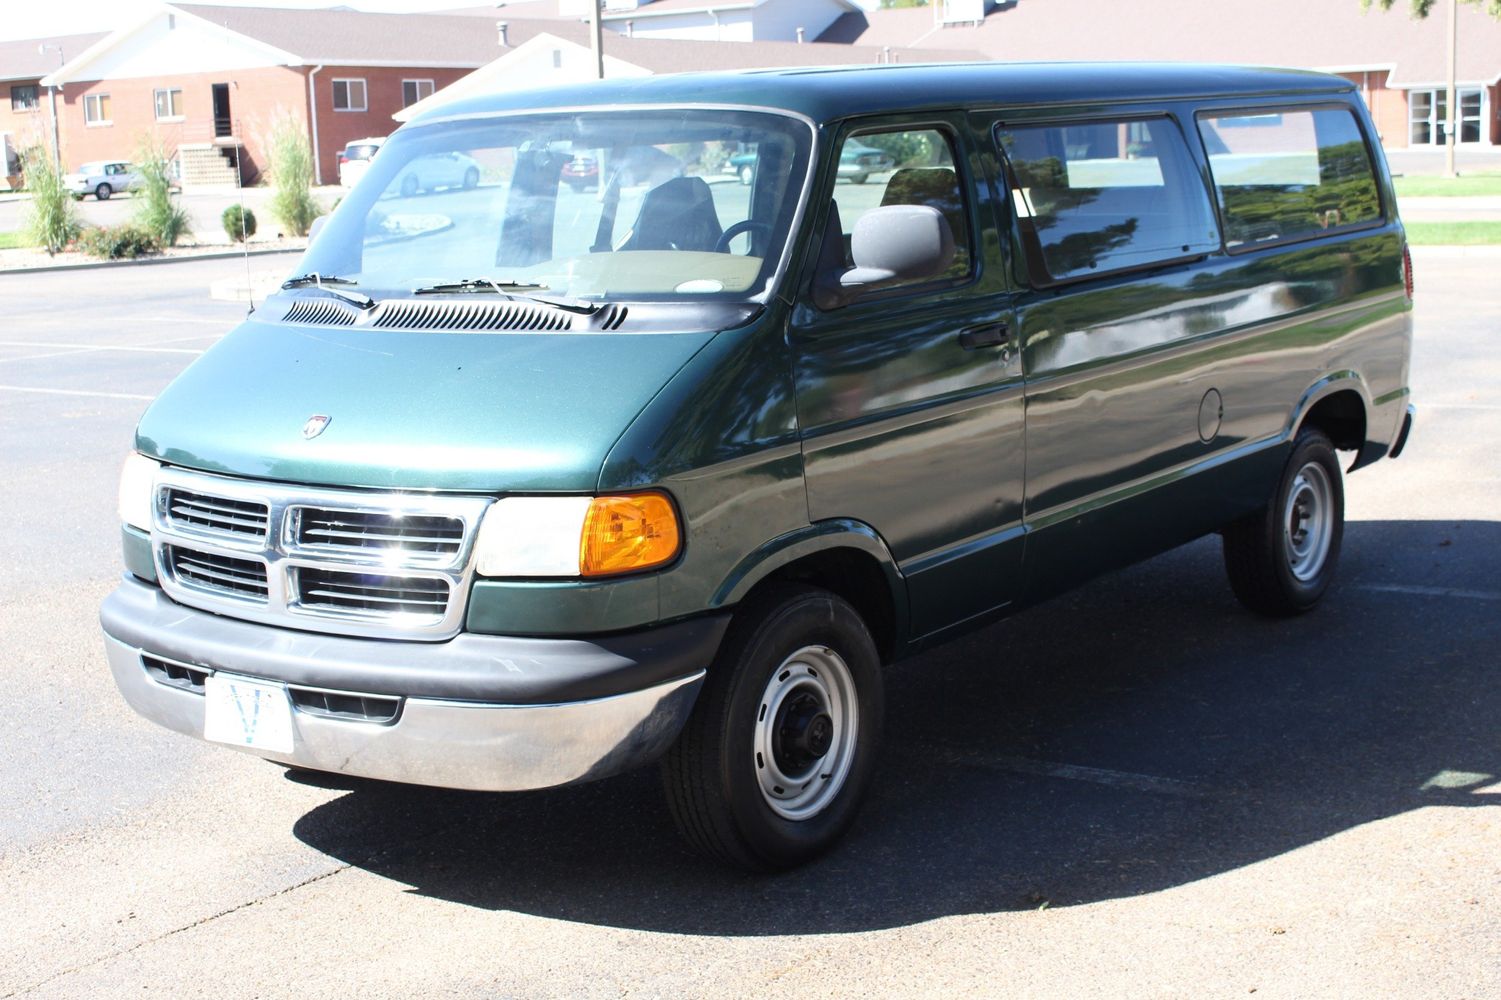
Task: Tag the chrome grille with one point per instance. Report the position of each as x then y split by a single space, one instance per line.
217 574
353 562
200 512
371 593
377 533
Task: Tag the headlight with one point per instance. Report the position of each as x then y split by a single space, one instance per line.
577 536
136 481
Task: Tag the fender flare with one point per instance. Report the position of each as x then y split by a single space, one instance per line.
1328 385
820 536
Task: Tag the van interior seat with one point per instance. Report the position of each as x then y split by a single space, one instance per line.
676 215
936 187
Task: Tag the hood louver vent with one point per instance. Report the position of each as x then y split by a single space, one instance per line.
469 316
610 318
320 312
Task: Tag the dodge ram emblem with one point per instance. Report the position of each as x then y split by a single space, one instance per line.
315 425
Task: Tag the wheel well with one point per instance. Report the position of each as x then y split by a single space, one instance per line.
1341 416
855 576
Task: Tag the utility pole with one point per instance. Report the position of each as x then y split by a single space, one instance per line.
596 39
57 153
1452 113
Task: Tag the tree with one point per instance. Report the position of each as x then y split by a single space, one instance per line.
1422 8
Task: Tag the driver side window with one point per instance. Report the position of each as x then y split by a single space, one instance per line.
909 167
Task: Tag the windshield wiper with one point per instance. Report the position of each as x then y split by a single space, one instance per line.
511 290
322 283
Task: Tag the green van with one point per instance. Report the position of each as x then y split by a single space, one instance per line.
515 485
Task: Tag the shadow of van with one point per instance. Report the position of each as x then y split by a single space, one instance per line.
1141 733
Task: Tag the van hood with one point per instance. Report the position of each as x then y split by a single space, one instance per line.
486 412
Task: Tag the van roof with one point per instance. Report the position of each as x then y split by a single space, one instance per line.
831 92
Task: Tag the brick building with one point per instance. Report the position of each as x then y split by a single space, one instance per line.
209 82
1398 63
25 116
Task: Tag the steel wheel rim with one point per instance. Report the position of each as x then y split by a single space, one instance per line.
814 675
1308 522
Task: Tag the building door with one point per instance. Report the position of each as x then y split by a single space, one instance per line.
1428 116
223 122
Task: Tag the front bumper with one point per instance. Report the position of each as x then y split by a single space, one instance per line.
495 713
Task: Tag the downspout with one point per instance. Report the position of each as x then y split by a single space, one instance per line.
312 105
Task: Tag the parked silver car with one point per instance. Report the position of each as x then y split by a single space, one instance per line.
102 178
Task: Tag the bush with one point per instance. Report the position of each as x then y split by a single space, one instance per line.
155 211
118 242
51 221
239 223
293 203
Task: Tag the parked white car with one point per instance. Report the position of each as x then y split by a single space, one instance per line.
355 157
439 170
102 178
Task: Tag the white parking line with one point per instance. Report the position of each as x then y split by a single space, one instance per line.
75 392
1419 591
99 347
1075 772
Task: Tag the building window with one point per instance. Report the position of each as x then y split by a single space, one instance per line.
413 91
1428 116
96 109
168 104
23 97
349 95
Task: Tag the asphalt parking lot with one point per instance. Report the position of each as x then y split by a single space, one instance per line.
1136 790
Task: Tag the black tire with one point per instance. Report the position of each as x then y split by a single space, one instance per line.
747 174
859 178
713 774
409 185
103 191
471 178
1278 562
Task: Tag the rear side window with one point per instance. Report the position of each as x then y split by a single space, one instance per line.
1105 195
1289 174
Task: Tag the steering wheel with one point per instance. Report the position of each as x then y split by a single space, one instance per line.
744 226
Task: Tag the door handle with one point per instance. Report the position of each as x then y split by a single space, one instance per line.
990 335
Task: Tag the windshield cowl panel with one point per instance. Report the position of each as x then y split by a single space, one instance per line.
470 312
644 205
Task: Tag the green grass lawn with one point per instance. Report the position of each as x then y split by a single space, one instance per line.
1452 233
1466 186
9 241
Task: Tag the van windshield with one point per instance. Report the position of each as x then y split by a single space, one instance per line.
665 204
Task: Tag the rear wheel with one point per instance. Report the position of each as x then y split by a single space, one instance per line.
1281 559
409 185
770 770
747 174
471 178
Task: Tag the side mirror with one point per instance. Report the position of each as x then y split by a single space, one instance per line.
890 245
316 228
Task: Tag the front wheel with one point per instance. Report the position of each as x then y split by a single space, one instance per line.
471 178
747 174
1281 559
772 765
103 191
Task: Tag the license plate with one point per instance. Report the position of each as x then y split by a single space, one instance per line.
247 713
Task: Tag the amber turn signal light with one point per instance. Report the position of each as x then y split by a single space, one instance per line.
625 534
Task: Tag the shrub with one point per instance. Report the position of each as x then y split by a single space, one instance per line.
51 221
118 242
239 223
155 211
293 203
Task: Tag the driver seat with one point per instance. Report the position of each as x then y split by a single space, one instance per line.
676 215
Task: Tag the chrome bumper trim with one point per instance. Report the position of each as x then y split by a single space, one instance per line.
451 744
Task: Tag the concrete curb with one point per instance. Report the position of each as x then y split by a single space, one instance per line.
142 261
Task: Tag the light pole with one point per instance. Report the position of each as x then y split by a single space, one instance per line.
1451 115
596 40
57 153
